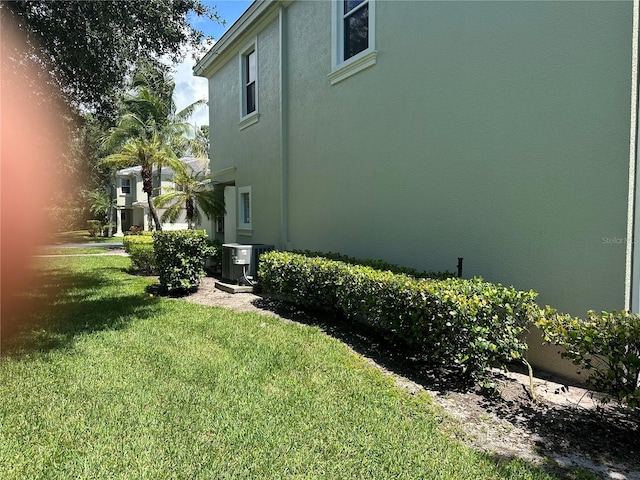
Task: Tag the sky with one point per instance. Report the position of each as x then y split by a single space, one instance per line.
189 88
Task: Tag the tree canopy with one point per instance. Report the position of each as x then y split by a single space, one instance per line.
90 47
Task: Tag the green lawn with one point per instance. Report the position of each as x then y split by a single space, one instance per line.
82 236
115 383
71 251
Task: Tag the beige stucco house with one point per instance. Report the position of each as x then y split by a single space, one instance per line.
131 202
423 131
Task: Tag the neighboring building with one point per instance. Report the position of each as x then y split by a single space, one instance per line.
132 206
420 132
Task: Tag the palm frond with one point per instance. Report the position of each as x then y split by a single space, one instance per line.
161 201
172 213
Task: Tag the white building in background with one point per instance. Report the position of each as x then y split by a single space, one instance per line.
131 201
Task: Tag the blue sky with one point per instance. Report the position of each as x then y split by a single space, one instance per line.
229 11
190 88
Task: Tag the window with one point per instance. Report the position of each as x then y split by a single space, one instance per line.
250 82
125 186
353 38
248 86
355 27
244 208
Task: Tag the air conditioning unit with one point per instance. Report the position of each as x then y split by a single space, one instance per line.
240 261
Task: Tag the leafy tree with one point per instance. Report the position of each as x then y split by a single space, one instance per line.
91 47
150 132
194 193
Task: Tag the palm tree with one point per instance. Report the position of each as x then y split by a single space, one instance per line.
194 193
151 133
101 205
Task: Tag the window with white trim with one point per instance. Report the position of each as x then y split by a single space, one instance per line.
355 27
250 82
353 38
248 86
244 208
125 186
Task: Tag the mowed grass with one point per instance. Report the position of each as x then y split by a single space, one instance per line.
81 236
115 383
72 251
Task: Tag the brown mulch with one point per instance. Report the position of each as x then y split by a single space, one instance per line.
564 427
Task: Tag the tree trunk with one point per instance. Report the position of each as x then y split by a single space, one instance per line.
154 214
147 187
190 213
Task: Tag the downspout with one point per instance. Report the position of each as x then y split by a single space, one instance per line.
632 254
284 133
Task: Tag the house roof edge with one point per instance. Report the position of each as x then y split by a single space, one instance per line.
249 18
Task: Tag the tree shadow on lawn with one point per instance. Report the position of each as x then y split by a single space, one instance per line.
65 306
603 435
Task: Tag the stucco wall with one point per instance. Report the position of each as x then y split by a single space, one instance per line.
493 131
255 150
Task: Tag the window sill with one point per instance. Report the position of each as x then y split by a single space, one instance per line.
248 120
244 232
352 66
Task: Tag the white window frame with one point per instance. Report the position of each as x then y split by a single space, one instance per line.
245 193
247 119
122 180
342 69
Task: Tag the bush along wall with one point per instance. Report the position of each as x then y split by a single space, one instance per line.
470 325
377 264
607 345
180 258
141 252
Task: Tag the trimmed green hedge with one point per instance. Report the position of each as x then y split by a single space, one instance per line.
468 324
377 264
141 252
180 257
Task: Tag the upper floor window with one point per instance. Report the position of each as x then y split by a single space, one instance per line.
250 82
248 86
125 186
353 38
355 27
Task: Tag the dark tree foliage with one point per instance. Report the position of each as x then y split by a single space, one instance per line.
91 46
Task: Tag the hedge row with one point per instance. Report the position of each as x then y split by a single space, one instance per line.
377 264
468 324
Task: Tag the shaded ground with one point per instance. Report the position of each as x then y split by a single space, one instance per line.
565 427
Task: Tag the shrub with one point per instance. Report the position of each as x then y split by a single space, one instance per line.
214 257
377 264
180 256
467 324
607 345
136 230
93 226
142 254
105 228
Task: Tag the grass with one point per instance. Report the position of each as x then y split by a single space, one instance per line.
111 382
72 251
82 236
